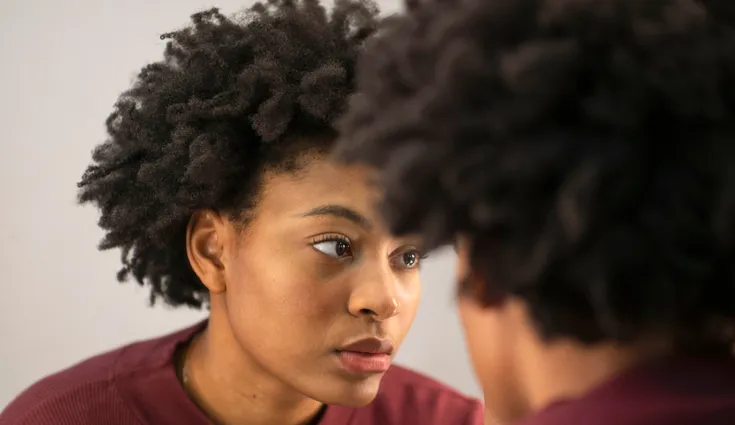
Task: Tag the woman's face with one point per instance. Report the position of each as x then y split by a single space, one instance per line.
314 272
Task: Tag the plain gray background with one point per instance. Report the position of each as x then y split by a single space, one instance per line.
62 65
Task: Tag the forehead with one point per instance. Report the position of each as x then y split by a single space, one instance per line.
318 181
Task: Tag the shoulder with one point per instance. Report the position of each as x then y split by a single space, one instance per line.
80 394
408 397
87 393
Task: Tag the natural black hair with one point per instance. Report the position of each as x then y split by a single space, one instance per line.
585 147
232 97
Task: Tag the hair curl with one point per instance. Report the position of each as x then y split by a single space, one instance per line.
585 147
230 98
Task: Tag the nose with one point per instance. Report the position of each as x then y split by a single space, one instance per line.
376 297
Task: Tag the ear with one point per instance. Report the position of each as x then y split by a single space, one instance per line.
473 283
206 235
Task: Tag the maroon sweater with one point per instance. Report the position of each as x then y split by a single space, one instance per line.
684 391
137 385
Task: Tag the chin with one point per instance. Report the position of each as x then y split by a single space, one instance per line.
353 393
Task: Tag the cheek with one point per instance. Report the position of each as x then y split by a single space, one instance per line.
409 296
476 337
409 293
490 349
280 306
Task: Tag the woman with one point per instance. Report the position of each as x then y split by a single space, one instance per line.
215 184
582 154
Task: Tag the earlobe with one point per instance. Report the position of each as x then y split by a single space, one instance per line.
473 283
205 249
480 290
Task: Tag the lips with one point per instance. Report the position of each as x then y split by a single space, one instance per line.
366 356
370 346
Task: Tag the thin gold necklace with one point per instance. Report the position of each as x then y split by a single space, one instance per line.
185 374
183 369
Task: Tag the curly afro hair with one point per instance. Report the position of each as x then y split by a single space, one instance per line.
231 98
586 148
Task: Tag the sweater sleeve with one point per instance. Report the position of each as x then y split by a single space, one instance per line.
49 402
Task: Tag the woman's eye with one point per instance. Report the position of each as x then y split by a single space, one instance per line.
334 249
408 260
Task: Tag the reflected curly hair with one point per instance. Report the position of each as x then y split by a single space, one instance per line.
231 98
587 148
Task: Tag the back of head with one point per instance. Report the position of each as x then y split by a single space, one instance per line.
231 97
585 147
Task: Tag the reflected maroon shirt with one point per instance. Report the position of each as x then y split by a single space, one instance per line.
676 391
137 385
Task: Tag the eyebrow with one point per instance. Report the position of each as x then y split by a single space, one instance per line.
341 212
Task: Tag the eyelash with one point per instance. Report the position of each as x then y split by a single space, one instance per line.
334 237
330 237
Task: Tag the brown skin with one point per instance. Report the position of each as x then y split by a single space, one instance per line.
292 287
519 371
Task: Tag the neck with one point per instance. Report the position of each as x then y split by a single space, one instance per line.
565 370
232 389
